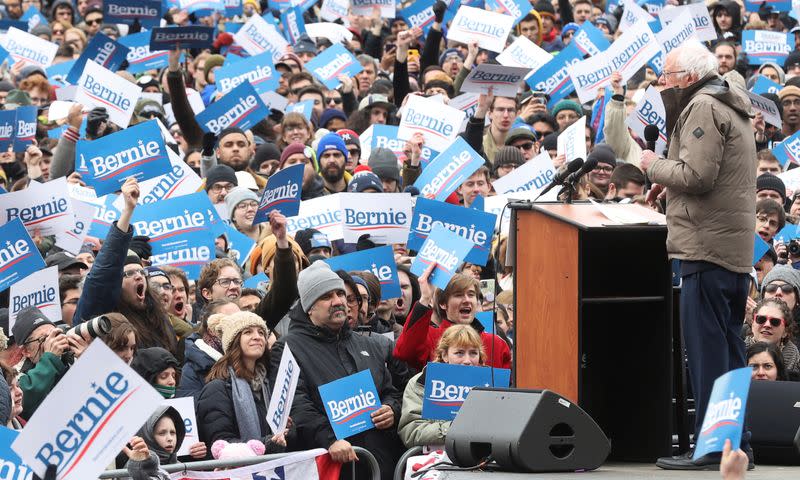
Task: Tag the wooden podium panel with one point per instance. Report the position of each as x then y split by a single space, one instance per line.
593 314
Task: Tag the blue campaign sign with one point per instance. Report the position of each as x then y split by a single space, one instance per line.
331 63
474 225
173 38
725 412
379 260
140 57
5 24
552 78
444 248
137 151
293 24
258 70
760 247
385 136
7 124
239 245
241 107
590 40
306 108
105 216
777 5
349 402
787 233
487 320
12 465
448 170
148 12
102 50
34 17
233 8
19 256
765 85
447 386
282 193
259 281
202 8
515 8
653 7
418 14
57 73
788 150
181 231
24 127
764 46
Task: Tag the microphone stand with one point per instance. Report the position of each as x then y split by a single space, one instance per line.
569 188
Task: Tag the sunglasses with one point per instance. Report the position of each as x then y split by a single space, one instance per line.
525 146
335 100
762 319
94 22
786 289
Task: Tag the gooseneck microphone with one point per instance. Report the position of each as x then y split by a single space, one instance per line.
572 167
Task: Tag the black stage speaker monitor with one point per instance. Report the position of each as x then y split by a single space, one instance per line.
773 417
525 430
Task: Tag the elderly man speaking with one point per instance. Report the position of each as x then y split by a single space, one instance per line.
709 179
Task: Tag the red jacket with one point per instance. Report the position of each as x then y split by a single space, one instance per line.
417 343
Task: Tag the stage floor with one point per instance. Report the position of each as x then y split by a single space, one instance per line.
629 471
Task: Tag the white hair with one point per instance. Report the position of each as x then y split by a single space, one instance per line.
695 59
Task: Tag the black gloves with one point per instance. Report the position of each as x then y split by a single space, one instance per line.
438 11
96 123
140 246
364 243
209 140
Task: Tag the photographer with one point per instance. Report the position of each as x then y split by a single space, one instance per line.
48 353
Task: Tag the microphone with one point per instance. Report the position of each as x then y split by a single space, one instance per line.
572 167
651 137
587 167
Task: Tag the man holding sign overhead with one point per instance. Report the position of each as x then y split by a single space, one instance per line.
327 350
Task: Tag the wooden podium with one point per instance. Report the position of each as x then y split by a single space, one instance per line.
594 318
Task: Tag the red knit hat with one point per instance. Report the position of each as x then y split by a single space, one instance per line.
291 149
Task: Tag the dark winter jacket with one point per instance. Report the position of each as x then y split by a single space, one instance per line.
149 362
195 368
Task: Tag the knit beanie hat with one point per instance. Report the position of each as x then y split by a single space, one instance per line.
570 27
267 248
363 180
211 62
232 324
315 281
521 130
544 7
508 155
331 141
784 273
792 59
786 91
609 21
329 114
567 105
220 173
291 149
237 196
265 151
550 141
603 153
768 181
383 163
310 238
350 137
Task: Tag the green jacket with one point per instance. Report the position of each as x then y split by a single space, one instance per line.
38 381
412 428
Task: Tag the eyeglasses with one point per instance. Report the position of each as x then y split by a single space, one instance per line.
786 289
246 205
294 128
524 146
167 287
542 134
354 300
96 21
218 187
226 282
606 169
133 273
176 133
674 72
502 110
789 103
762 319
39 340
335 100
354 152
766 220
72 301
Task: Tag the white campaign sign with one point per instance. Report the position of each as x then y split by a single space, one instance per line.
88 417
505 80
46 208
40 290
364 7
72 240
490 29
791 178
438 123
766 107
386 217
632 14
332 31
524 53
280 405
29 49
100 87
703 25
649 111
572 141
494 204
674 35
185 407
180 181
322 213
530 178
257 36
333 10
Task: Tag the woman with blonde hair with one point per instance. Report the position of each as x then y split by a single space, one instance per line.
459 345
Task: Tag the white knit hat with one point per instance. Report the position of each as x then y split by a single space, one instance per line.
230 326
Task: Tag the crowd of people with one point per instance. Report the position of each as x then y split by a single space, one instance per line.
214 340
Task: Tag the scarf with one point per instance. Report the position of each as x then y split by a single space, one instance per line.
244 403
214 342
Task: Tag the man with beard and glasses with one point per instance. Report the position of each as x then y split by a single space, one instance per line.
117 283
326 349
332 156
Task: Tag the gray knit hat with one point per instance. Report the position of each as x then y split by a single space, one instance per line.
383 163
783 273
236 196
315 281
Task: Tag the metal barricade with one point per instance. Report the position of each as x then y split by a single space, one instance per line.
363 455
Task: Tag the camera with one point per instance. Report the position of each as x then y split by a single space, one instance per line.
95 327
794 248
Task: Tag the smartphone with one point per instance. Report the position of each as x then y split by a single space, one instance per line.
413 55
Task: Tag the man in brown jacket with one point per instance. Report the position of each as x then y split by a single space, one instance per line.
709 177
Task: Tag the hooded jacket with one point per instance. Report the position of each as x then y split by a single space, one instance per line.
148 430
196 366
324 356
149 362
710 174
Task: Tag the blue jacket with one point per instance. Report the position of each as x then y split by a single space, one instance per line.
197 365
102 288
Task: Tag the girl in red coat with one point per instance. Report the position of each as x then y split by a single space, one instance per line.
456 304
